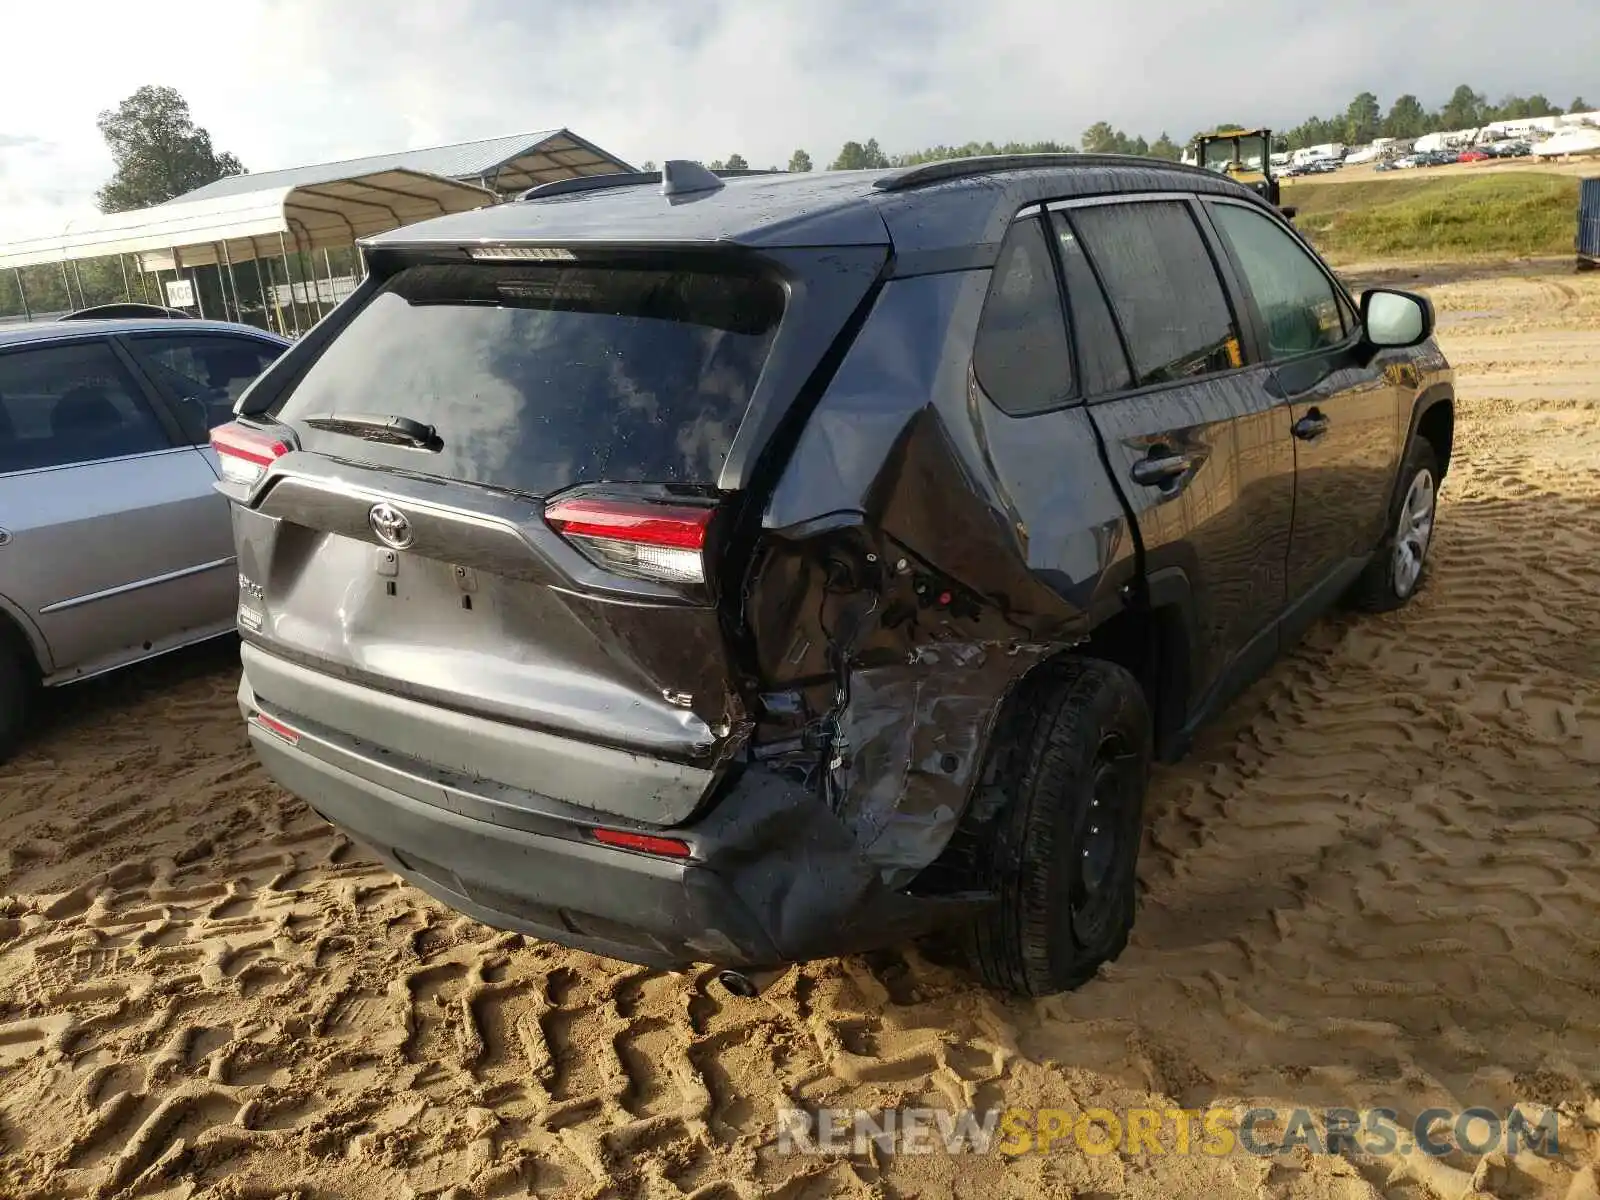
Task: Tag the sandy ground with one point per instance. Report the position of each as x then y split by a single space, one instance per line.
1376 882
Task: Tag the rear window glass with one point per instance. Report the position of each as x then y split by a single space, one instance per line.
539 377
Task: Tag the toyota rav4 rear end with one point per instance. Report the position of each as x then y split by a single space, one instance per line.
490 540
515 612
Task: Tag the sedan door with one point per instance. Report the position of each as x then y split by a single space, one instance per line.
1350 409
117 549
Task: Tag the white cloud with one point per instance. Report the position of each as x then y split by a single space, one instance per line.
286 82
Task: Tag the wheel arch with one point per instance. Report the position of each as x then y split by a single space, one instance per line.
1153 639
1433 417
21 636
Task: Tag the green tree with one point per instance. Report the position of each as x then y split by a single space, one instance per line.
1362 119
799 161
980 150
1101 138
1579 105
1509 109
1315 131
159 151
1407 118
1514 108
1165 147
853 156
736 162
1464 110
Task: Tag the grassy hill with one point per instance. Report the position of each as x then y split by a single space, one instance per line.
1438 217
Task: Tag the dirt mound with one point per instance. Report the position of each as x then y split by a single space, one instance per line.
1376 882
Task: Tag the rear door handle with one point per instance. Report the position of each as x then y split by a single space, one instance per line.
1158 472
1311 426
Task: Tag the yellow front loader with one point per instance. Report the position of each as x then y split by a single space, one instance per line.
1244 155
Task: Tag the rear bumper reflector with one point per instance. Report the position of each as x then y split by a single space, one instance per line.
642 842
276 728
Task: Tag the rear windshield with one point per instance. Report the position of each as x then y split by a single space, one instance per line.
540 376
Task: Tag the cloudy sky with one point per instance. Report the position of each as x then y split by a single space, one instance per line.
288 82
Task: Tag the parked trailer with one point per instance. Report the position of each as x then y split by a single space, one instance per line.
1589 224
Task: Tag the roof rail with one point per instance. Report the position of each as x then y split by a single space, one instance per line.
594 183
925 174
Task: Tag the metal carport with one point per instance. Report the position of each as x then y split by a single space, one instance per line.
262 227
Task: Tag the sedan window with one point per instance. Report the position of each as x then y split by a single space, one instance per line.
207 373
71 403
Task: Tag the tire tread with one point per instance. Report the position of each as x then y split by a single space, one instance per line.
1046 745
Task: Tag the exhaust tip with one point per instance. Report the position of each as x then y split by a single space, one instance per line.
740 985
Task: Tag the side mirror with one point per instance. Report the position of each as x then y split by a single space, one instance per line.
1395 320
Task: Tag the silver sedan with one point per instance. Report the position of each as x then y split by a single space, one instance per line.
114 547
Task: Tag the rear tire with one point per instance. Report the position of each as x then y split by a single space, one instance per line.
1063 851
1400 562
16 698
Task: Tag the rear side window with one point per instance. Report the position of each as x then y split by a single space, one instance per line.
1163 289
207 373
538 377
71 404
1021 355
1100 357
1296 301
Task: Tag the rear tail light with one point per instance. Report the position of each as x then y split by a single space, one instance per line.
243 453
643 842
661 542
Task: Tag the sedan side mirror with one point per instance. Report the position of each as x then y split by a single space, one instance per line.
1396 320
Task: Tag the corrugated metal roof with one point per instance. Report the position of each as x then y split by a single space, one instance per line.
246 225
541 157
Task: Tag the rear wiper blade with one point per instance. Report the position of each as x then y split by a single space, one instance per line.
379 427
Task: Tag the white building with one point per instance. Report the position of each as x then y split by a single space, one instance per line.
1430 142
1317 153
1522 127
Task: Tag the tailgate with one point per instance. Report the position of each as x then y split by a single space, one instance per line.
485 624
500 495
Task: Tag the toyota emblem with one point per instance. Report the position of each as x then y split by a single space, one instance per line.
391 525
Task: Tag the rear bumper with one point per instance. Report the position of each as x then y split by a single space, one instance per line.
582 774
773 876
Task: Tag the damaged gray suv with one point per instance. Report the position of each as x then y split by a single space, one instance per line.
744 570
